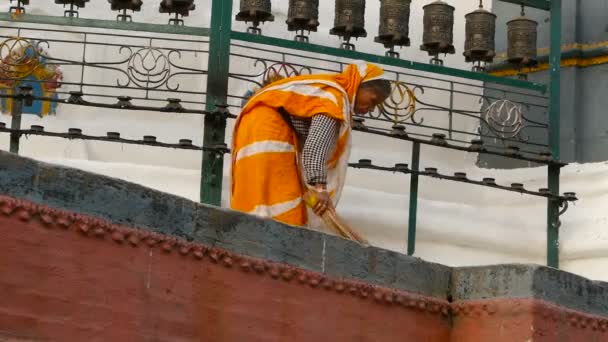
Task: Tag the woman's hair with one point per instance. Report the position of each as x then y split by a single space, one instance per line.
381 87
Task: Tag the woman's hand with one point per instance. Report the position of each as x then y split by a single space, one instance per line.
323 201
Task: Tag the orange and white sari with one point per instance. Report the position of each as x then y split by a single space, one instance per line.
267 177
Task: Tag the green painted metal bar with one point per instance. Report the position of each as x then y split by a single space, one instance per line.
554 133
16 111
413 215
336 52
540 4
217 92
106 24
553 223
451 113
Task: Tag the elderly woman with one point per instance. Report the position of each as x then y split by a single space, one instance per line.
294 136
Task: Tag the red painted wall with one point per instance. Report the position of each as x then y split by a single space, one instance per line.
67 277
76 279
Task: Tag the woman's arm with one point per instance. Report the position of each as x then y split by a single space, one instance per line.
320 142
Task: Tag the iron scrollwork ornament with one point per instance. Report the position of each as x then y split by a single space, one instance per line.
438 33
148 68
504 118
24 63
270 74
303 15
349 21
394 25
18 59
256 12
479 46
400 106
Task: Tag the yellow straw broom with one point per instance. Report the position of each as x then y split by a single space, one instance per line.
333 221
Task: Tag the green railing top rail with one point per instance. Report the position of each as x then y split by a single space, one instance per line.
106 24
540 4
437 69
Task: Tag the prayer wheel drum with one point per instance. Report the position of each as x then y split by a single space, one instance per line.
438 33
394 23
255 11
130 5
181 7
77 3
303 15
350 19
522 33
480 30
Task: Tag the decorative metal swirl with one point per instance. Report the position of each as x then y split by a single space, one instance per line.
401 105
148 68
18 59
272 72
504 118
283 70
143 67
21 58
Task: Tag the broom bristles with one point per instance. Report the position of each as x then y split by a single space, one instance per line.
333 222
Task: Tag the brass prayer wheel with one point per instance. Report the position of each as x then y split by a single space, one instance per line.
303 15
181 7
349 21
71 12
394 23
256 12
177 7
130 5
124 6
480 30
438 33
19 7
522 33
77 3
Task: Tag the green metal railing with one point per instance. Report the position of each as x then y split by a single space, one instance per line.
222 44
553 208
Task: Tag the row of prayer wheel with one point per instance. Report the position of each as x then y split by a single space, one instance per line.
175 7
438 32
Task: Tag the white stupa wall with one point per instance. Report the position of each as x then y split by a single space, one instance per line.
457 224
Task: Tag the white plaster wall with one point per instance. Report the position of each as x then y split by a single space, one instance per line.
457 224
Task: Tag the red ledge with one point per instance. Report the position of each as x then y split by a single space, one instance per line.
91 227
542 311
104 231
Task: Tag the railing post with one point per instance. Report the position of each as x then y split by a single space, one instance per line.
451 113
16 111
217 92
554 133
411 228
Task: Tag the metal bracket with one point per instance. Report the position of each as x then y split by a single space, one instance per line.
563 208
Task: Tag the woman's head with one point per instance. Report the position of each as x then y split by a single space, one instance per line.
371 94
